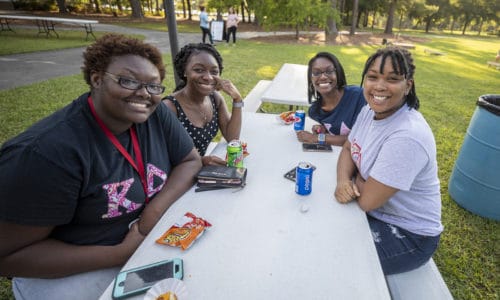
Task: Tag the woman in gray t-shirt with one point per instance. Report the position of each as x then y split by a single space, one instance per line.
388 164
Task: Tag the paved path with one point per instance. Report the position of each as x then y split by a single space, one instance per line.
28 68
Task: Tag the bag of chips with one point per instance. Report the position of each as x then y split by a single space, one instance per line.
184 232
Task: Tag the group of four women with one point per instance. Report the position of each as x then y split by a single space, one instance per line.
80 189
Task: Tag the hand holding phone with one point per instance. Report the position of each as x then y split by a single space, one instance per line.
139 280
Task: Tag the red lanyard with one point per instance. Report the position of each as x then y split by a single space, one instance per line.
138 164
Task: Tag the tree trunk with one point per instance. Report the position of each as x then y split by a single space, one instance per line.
331 31
242 4
136 9
390 18
119 5
184 8
354 17
190 18
466 23
97 6
61 4
427 24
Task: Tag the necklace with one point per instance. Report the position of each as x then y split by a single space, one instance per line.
199 108
202 112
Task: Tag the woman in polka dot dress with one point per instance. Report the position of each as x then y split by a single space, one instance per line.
197 102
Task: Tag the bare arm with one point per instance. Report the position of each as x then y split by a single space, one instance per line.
230 124
180 180
346 190
27 251
370 194
373 193
308 137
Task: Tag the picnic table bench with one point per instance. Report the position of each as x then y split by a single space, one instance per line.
433 52
424 282
493 64
404 45
46 25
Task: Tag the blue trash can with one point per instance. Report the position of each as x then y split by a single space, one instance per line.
475 181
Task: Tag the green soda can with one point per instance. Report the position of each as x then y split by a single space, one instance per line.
234 154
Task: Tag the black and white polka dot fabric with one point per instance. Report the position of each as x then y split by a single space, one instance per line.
202 136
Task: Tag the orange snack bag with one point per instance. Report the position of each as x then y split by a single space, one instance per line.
184 232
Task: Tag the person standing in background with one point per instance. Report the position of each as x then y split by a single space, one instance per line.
232 25
205 25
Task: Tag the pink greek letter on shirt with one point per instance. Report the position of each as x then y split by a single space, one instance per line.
117 199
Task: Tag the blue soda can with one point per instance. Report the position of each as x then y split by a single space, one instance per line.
300 120
304 176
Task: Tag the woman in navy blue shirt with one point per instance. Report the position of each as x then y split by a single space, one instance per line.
335 105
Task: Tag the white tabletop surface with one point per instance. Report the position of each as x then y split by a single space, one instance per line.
261 245
289 86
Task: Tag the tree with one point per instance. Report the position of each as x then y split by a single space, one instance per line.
222 5
354 17
61 4
136 9
390 17
331 31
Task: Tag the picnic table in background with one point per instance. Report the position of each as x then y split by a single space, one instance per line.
289 86
46 25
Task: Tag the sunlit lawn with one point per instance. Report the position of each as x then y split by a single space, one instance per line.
448 87
24 40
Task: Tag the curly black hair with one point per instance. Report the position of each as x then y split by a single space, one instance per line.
99 55
402 63
182 58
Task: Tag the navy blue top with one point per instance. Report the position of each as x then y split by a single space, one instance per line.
340 120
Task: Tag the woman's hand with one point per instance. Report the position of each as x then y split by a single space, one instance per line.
132 240
318 129
306 137
212 160
228 87
346 191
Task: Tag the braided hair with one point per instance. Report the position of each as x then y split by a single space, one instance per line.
182 58
339 73
402 63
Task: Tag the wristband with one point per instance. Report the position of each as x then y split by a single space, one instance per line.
321 138
238 104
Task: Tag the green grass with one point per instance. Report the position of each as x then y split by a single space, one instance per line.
448 87
28 40
185 27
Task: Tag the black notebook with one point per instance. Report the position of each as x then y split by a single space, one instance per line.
220 177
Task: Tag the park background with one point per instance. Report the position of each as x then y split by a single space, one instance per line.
448 85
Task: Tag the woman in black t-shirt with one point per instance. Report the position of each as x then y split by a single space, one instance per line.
71 184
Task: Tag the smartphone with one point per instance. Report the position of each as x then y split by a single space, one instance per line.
316 147
139 280
291 175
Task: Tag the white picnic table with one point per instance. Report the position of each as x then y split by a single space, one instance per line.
289 86
266 241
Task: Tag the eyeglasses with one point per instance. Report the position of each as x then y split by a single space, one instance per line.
319 73
131 84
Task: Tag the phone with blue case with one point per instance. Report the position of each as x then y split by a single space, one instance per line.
139 280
